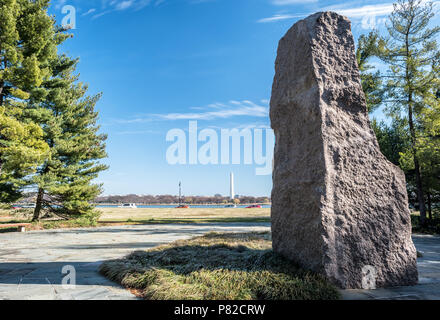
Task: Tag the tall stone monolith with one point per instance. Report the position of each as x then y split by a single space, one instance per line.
340 208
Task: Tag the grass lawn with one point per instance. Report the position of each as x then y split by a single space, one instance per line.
217 267
120 216
143 214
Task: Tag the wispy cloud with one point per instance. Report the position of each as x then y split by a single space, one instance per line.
211 112
136 132
351 10
104 7
245 108
90 11
279 17
377 10
288 2
124 5
109 6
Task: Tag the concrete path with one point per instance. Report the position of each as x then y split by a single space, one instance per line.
429 277
31 263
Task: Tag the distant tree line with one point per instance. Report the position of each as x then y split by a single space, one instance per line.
170 199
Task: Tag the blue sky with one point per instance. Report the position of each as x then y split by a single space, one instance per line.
161 63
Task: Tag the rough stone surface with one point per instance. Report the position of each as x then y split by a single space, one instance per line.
338 204
429 277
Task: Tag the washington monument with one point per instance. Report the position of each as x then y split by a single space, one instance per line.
232 187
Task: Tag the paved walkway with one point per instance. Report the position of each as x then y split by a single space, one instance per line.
31 263
429 277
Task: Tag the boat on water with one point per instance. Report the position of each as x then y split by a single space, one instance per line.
182 206
128 206
231 206
254 206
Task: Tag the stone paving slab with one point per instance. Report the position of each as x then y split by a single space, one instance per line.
429 277
31 263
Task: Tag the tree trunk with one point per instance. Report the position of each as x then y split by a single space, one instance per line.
419 185
2 86
420 193
429 206
412 130
38 205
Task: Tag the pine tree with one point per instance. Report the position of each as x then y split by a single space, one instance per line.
428 147
68 118
393 138
369 47
430 150
412 55
28 41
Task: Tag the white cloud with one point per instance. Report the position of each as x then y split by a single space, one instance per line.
108 6
233 109
90 11
124 5
368 10
136 132
279 17
378 10
103 13
351 10
288 2
213 111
